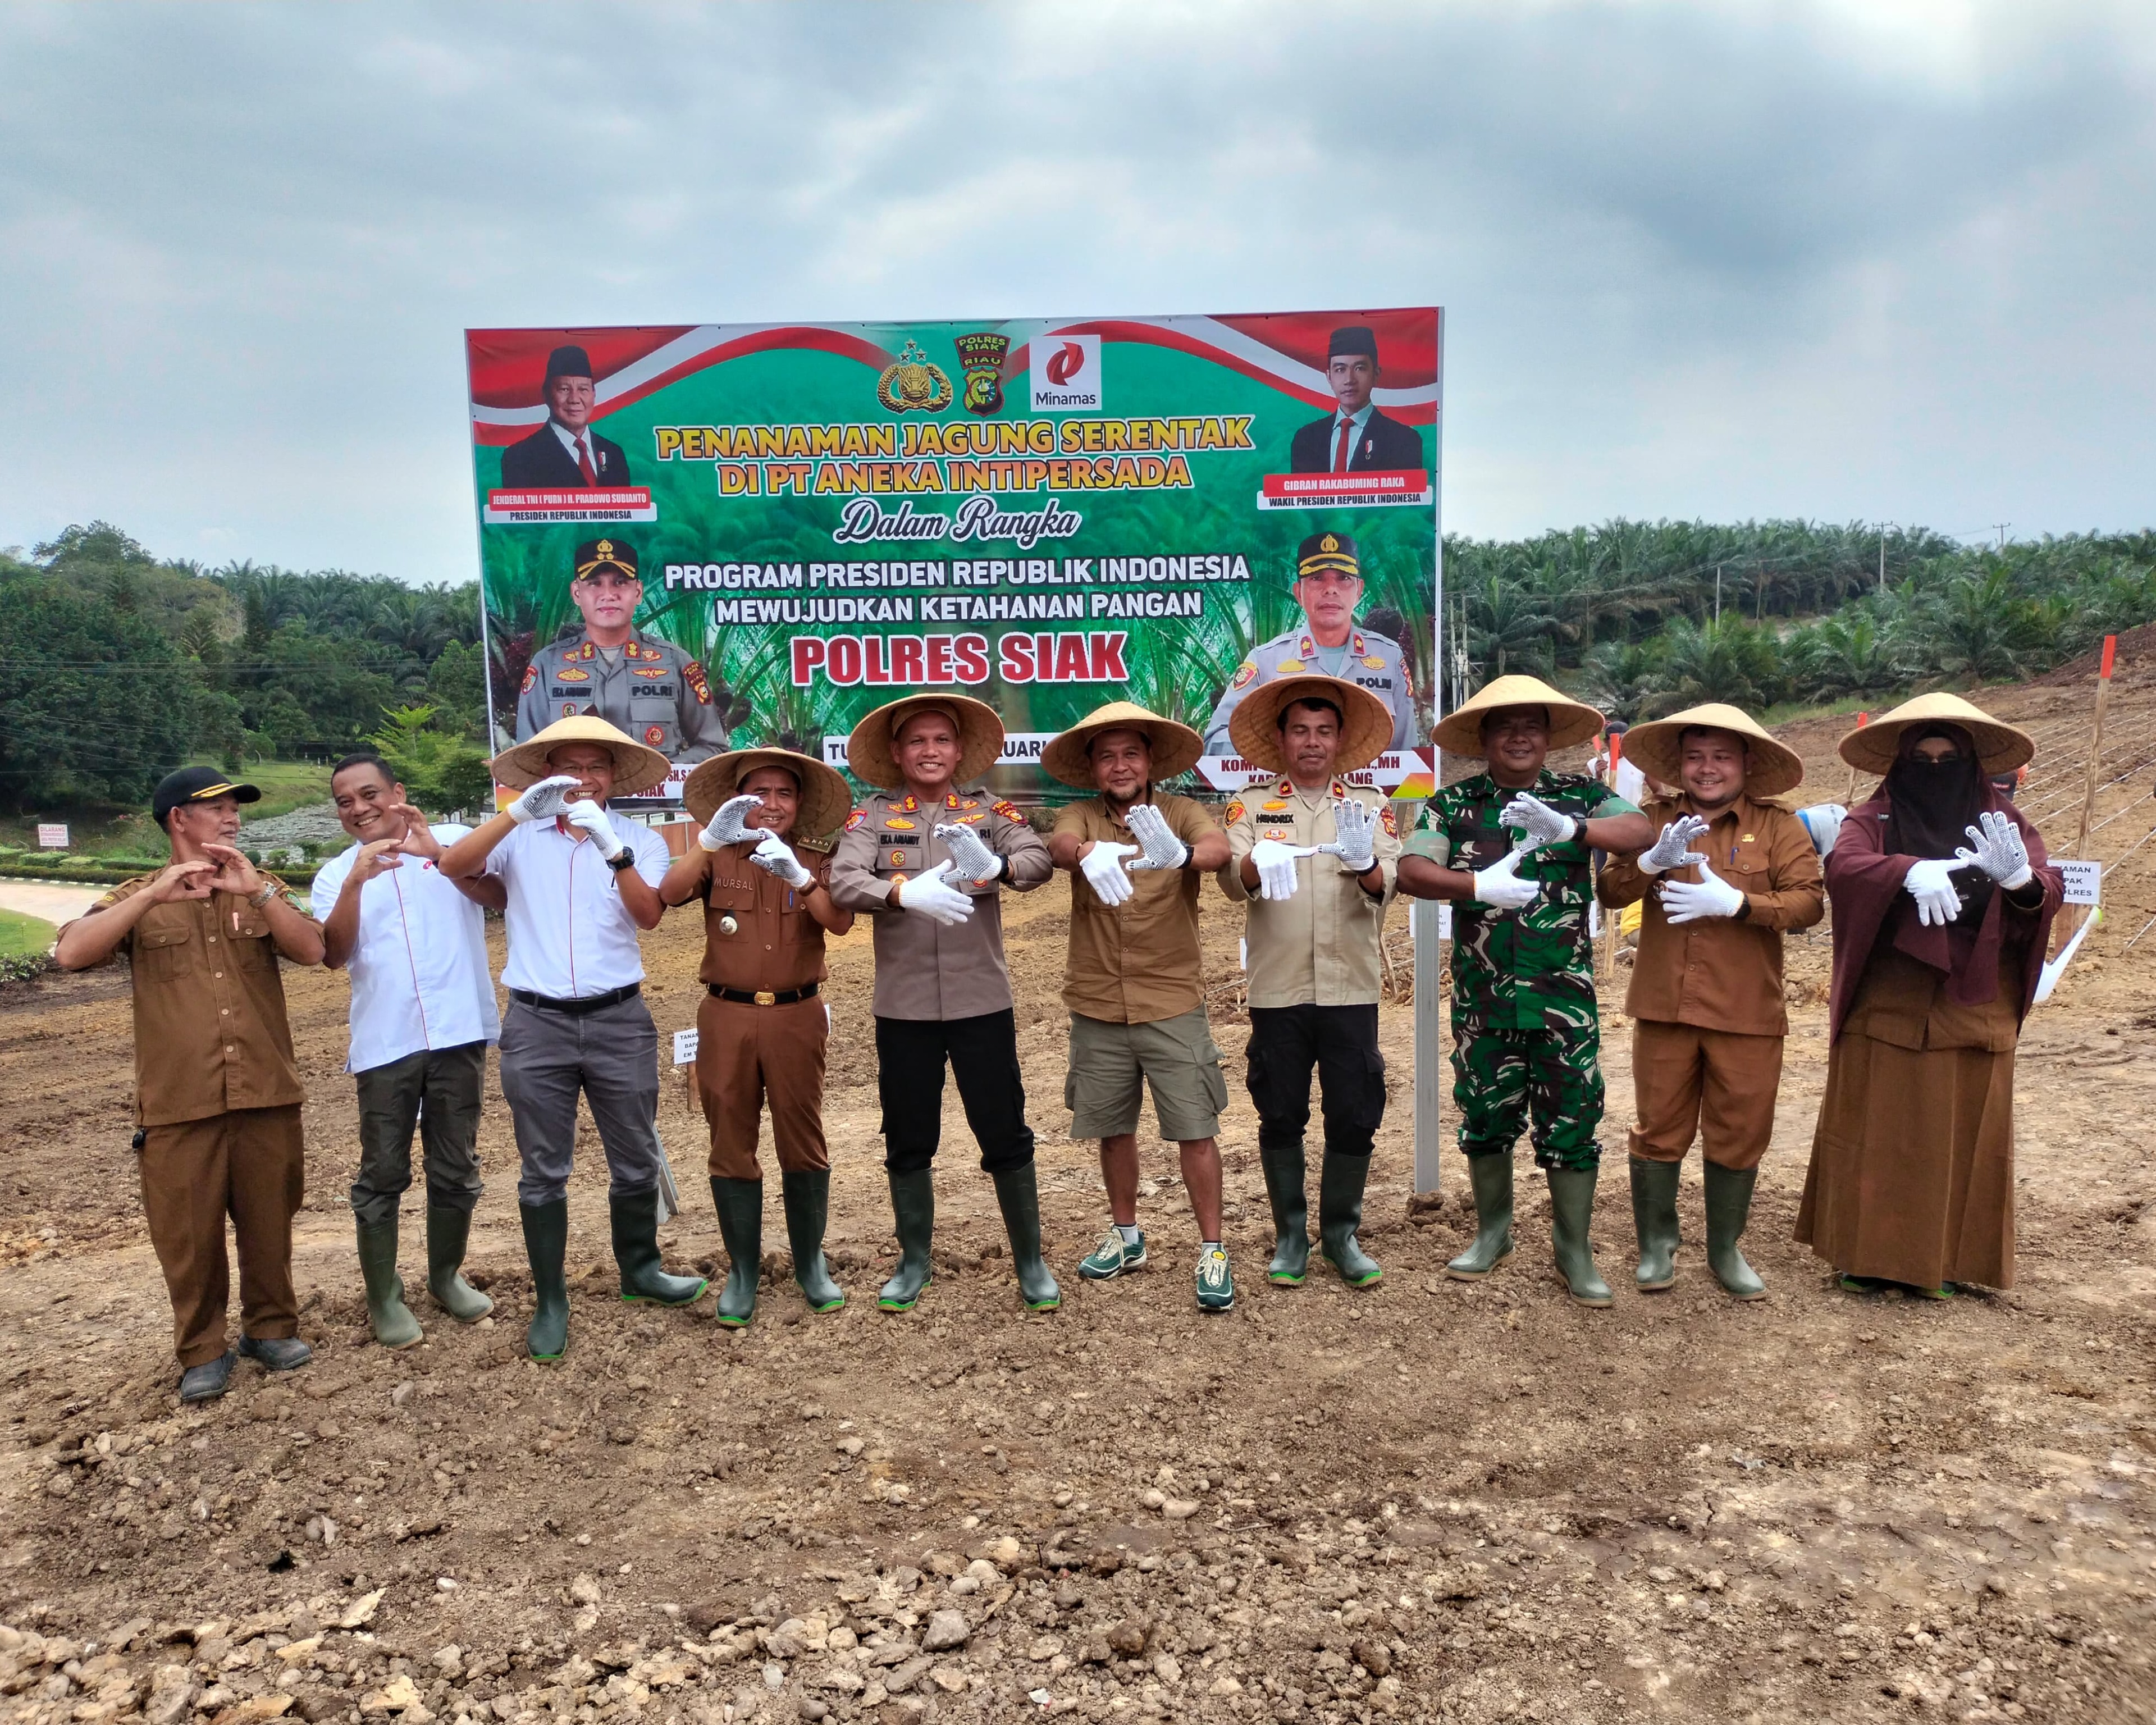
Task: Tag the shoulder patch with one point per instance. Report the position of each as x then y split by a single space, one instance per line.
1235 811
856 818
692 674
1246 674
530 677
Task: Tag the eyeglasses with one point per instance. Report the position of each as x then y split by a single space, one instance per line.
616 580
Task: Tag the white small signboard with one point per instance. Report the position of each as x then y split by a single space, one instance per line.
52 836
685 1048
2084 881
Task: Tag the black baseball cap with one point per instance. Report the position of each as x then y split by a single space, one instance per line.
197 784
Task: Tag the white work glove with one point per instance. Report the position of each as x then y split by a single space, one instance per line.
590 817
774 856
1163 849
1500 886
934 898
1355 836
728 822
1999 851
1274 862
1542 823
1673 849
1711 896
1822 822
1102 867
1931 884
544 800
974 855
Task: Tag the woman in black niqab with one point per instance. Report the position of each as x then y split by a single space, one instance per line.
1934 799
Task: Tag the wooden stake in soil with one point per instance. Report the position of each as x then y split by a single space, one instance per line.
2064 927
1849 799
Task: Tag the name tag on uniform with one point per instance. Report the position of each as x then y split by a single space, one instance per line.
654 691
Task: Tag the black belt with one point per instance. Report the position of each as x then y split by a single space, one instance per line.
762 997
588 1003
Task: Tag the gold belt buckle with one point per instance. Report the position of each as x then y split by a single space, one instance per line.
764 997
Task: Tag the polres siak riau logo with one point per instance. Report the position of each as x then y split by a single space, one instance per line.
982 358
1066 373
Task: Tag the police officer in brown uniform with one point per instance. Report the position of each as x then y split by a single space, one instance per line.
761 865
218 1095
929 863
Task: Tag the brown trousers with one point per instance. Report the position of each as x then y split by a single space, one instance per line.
746 1053
248 1164
1715 1083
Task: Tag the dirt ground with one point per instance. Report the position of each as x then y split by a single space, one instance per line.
1428 1501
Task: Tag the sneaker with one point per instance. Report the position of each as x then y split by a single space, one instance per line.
1216 1284
1112 1257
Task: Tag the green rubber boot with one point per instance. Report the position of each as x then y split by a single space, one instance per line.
1018 1194
807 1196
447 1232
1655 1218
1285 1174
1728 1208
635 1219
1572 1215
546 1243
913 1212
386 1314
1490 1178
1340 1182
740 1205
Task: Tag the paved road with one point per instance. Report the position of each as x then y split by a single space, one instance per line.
55 904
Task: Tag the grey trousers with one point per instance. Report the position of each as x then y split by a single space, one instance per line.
612 1056
448 1081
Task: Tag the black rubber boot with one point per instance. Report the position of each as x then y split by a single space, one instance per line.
1654 1219
740 1205
913 1213
1285 1174
546 1243
1571 1216
447 1230
1340 1182
1728 1208
1018 1194
807 1196
1490 1178
635 1219
386 1314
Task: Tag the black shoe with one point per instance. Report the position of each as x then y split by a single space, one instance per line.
207 1382
277 1353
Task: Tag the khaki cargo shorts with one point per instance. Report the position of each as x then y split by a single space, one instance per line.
1110 1063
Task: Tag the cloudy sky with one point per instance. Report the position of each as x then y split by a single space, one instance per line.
1887 259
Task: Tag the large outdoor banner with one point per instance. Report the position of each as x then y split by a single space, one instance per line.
726 535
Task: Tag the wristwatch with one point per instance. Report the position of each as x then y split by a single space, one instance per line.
263 894
621 858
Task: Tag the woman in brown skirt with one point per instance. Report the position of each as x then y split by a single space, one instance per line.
1942 906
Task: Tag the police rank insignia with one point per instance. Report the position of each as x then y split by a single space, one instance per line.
692 674
913 384
530 677
1008 810
981 358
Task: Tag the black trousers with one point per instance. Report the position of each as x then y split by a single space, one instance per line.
1341 1043
982 1053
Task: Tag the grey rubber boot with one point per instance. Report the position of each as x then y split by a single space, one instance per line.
634 1216
447 1230
913 1213
740 1205
1655 1219
1017 1195
1340 1182
1490 1178
386 1314
546 1243
1571 1216
807 1196
1728 1208
1285 1174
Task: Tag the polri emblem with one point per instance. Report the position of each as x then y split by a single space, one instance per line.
913 384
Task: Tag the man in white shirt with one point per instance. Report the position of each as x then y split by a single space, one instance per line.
580 890
422 1013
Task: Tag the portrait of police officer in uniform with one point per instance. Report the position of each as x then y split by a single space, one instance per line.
565 454
648 689
1355 437
1325 641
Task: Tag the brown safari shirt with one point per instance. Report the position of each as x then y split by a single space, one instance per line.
775 944
210 1030
1136 962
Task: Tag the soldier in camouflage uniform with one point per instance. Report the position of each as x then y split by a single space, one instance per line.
1511 847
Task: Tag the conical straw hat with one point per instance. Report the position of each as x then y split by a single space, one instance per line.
635 767
1254 730
825 799
980 738
1657 750
1871 749
1175 747
1571 721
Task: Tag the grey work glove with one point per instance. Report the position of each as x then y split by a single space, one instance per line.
727 824
1999 851
775 856
1354 836
1542 823
975 857
544 800
1673 849
1163 849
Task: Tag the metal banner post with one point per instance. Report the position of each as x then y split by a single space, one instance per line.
1428 954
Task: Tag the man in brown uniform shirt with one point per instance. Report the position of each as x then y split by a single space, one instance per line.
217 1094
929 863
1734 871
1133 979
761 1031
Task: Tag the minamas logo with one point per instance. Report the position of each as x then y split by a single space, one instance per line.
1066 373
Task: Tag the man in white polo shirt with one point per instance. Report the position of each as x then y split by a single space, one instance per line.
422 1013
580 889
